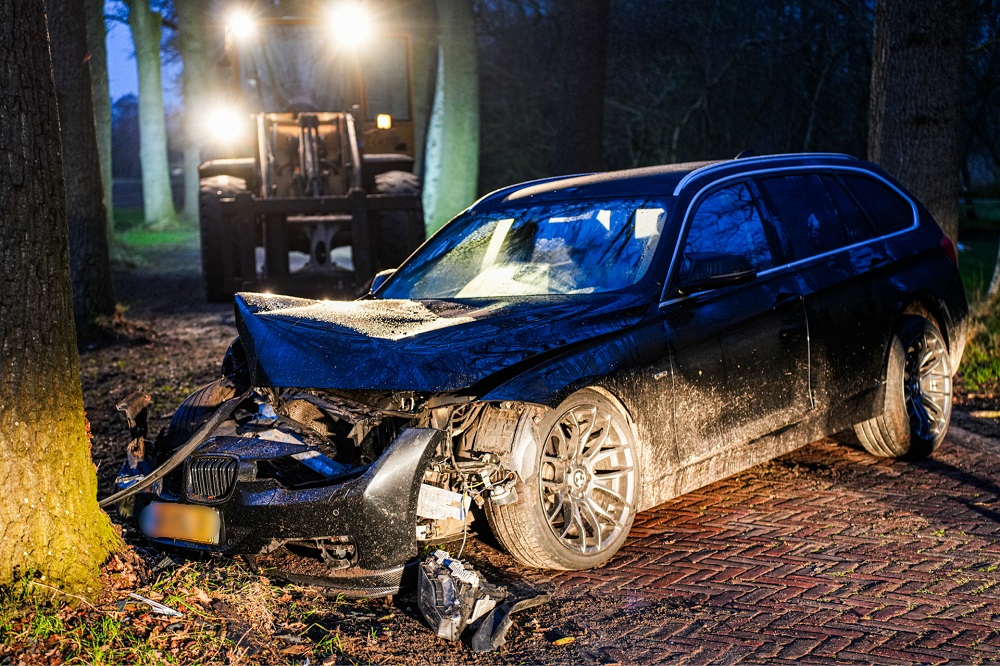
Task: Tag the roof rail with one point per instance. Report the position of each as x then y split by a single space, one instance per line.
509 189
753 160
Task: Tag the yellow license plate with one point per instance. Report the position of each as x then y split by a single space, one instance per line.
183 522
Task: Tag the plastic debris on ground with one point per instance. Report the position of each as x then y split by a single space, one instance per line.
452 595
154 605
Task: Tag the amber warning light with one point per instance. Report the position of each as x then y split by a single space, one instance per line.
383 121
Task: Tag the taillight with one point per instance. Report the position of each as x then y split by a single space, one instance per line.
949 249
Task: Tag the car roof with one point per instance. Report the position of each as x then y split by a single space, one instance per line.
663 180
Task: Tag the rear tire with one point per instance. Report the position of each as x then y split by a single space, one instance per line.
917 404
576 509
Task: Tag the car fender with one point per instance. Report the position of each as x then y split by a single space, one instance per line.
549 381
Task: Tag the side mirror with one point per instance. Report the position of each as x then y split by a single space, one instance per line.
380 279
704 272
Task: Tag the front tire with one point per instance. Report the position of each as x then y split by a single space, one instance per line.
195 411
577 507
917 403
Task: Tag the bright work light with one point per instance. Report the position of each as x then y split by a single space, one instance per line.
351 24
225 125
383 121
241 24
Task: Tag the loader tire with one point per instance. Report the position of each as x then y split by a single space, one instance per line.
213 238
398 232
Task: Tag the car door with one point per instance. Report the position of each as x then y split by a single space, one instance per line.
740 353
825 238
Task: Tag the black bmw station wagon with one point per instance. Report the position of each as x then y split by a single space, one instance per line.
562 354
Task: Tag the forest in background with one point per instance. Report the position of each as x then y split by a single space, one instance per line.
686 80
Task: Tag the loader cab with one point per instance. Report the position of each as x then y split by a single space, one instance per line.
317 192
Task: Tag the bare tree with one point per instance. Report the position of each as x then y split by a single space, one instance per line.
93 294
49 519
197 79
915 114
452 157
97 45
145 24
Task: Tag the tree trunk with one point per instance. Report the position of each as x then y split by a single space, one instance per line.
193 20
90 266
425 66
452 155
993 292
49 519
580 85
157 199
97 44
915 113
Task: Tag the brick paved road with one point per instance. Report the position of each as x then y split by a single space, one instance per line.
826 554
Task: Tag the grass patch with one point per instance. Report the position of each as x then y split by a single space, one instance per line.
980 369
37 625
977 261
128 218
983 215
141 238
980 235
35 628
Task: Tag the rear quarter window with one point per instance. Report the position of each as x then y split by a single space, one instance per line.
856 223
804 214
886 208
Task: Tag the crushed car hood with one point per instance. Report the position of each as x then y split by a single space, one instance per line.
402 345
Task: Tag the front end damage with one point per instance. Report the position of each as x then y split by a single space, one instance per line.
355 481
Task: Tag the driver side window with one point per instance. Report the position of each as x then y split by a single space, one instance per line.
727 222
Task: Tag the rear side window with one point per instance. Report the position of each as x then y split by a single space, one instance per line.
728 222
888 211
855 221
805 215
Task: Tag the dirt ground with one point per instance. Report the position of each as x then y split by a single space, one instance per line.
823 555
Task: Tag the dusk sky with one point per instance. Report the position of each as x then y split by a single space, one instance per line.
122 75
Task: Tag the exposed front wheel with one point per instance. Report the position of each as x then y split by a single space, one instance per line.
578 504
917 404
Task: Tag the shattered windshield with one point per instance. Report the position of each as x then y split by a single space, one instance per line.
578 248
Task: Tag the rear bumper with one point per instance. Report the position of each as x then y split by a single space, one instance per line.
375 513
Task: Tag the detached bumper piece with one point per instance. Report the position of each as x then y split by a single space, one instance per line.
361 523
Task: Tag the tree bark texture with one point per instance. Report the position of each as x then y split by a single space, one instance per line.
90 265
97 35
423 28
197 79
915 113
452 164
157 198
49 519
580 72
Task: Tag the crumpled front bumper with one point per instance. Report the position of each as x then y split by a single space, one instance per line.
375 511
